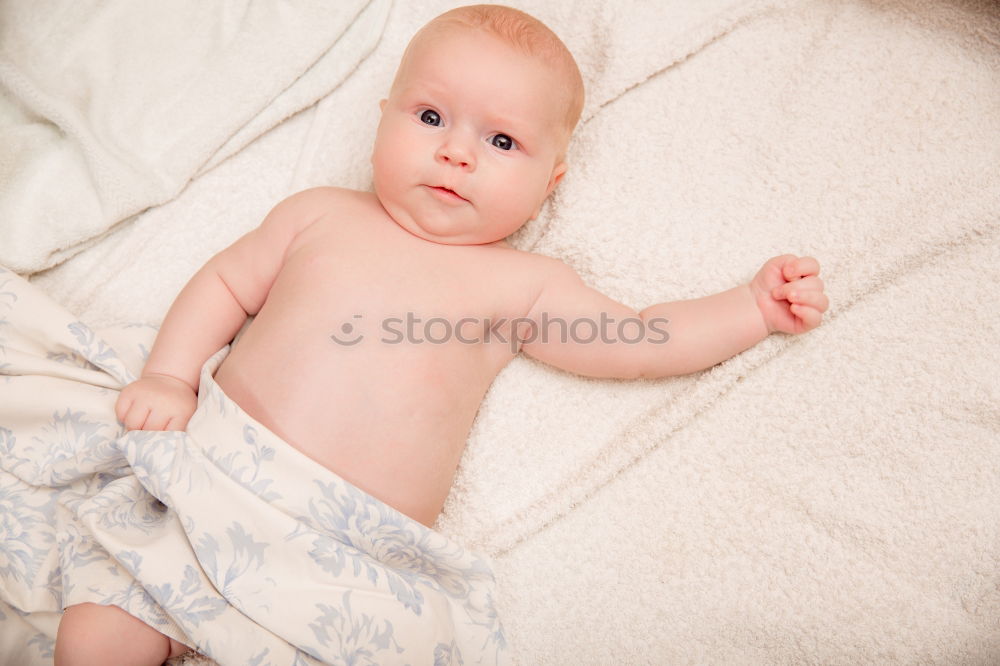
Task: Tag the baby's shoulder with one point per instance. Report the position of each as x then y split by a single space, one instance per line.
325 198
533 271
300 211
537 265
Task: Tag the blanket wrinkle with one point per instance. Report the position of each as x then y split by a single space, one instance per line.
306 90
714 32
138 100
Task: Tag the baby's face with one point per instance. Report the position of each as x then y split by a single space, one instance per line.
470 139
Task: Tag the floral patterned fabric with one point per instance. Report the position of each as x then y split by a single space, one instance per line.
223 537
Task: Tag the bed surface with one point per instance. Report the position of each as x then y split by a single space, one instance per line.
828 498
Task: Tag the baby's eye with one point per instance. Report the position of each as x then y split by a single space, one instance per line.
503 142
429 117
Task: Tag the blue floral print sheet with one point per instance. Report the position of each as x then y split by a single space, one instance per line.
223 537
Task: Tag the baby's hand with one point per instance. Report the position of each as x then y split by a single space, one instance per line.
790 294
156 402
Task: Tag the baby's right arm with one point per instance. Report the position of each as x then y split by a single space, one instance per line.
209 311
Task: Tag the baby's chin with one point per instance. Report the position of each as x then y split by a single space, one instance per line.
444 233
460 241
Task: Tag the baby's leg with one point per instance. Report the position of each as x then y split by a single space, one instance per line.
91 634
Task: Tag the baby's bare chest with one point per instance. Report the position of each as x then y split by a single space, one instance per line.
382 284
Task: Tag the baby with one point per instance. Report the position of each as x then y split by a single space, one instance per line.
472 139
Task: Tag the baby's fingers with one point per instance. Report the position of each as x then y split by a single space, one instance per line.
800 267
122 405
136 417
157 420
811 283
810 317
810 298
177 423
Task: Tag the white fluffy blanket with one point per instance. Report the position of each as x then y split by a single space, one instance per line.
831 498
110 108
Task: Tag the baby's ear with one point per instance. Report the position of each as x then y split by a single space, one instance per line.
381 104
557 174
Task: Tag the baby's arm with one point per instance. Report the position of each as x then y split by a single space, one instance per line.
208 312
670 338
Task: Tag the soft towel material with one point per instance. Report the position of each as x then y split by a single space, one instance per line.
109 108
830 498
223 537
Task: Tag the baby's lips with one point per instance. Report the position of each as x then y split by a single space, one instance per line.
449 189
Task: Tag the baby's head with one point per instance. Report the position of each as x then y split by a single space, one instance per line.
474 133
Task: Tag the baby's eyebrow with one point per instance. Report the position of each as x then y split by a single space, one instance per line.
426 88
513 122
519 127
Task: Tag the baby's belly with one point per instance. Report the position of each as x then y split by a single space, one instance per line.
393 422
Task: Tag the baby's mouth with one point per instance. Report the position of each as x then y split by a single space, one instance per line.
446 193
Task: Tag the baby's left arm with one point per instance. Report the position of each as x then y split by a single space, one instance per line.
577 328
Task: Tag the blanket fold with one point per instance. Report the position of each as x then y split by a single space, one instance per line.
223 536
116 105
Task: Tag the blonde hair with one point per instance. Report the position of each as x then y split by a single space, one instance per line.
526 34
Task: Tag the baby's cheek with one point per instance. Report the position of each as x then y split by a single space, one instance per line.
385 158
384 174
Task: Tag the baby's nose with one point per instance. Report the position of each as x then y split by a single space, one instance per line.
456 152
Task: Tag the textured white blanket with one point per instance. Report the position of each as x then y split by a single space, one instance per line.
109 108
825 499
